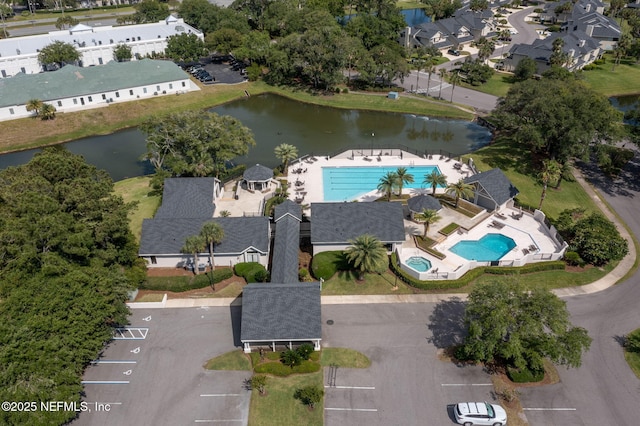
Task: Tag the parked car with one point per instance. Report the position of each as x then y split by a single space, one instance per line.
453 52
479 413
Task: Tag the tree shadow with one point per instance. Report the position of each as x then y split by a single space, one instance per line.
447 323
235 311
621 340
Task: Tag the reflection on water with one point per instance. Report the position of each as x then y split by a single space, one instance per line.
275 120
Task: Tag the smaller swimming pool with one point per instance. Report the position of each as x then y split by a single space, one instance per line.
489 248
418 263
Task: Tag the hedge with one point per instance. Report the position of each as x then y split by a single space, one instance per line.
251 271
524 376
281 370
471 275
449 229
181 284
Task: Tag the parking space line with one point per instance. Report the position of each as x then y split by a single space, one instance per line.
130 333
104 382
466 384
549 409
351 387
352 409
105 361
220 394
218 421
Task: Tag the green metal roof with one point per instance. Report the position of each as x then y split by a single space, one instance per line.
73 81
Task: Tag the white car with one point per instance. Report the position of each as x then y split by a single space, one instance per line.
479 413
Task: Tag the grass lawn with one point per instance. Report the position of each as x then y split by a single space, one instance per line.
79 14
624 80
547 279
345 358
498 85
515 163
234 360
633 359
137 189
279 408
31 133
345 282
324 265
153 297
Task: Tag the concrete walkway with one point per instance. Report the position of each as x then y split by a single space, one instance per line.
603 283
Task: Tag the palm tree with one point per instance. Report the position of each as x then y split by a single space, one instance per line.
434 179
460 189
388 183
34 105
429 67
403 177
367 254
551 171
455 79
428 217
443 74
212 233
47 112
286 152
194 245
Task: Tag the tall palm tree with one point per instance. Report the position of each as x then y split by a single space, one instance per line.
551 171
286 152
367 254
388 183
455 79
460 189
212 233
429 67
434 179
194 245
428 217
443 73
403 177
34 105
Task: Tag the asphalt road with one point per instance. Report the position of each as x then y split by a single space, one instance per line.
603 391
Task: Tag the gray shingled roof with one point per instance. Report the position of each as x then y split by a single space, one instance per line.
71 81
167 236
257 173
281 312
288 207
341 222
187 197
497 185
286 244
421 202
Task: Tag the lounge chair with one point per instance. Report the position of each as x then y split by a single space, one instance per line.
457 166
532 248
525 251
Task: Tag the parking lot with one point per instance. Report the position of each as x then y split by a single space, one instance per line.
153 373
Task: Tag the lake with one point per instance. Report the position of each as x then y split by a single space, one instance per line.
275 120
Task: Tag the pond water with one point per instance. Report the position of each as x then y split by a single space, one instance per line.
275 120
412 17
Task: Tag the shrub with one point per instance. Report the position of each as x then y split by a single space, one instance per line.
345 90
309 395
261 275
259 383
303 274
449 229
589 67
291 358
632 341
305 350
572 258
600 61
554 29
248 270
524 376
281 370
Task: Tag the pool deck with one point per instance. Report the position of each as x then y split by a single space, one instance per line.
311 188
533 240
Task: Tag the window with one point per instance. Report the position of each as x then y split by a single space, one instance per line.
59 103
170 85
100 61
184 84
11 111
117 94
158 88
82 101
4 73
99 42
89 98
154 261
131 92
144 90
23 70
104 97
75 101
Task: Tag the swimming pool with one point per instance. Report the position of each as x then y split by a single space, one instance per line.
348 183
489 248
418 263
